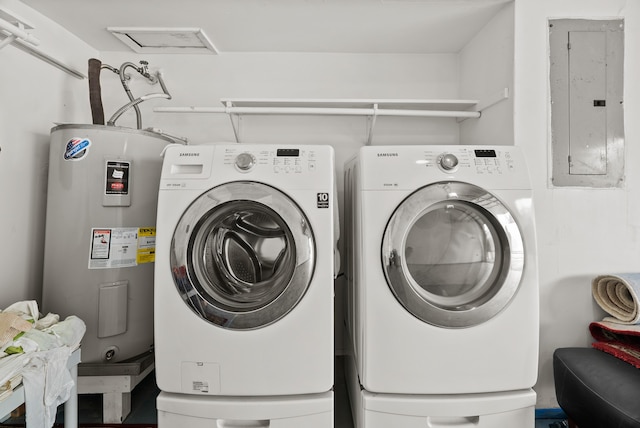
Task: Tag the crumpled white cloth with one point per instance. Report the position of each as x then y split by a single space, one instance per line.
65 333
11 365
29 308
46 378
43 365
70 331
47 384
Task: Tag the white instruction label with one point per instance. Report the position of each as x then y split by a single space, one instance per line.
201 386
119 247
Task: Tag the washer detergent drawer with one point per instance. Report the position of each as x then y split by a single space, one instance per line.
182 410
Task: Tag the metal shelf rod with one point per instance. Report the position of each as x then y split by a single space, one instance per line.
372 112
328 111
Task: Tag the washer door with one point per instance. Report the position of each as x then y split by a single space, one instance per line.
242 255
453 255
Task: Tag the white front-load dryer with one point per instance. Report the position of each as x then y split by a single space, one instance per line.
244 271
442 270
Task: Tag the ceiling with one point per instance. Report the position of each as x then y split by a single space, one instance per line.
336 26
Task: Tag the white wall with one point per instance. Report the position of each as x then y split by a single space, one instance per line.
486 71
581 232
34 95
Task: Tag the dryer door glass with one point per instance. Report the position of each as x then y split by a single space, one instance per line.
243 255
453 255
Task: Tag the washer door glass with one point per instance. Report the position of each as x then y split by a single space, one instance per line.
453 255
243 255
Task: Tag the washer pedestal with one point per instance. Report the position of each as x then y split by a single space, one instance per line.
194 411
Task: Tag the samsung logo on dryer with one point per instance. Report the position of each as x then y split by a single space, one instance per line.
189 154
387 154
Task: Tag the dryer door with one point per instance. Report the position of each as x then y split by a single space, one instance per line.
242 255
453 255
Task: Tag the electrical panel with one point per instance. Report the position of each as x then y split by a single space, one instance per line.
586 82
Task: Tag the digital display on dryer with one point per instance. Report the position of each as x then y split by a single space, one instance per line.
288 152
485 153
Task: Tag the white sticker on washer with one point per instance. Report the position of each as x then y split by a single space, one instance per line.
322 200
200 377
200 386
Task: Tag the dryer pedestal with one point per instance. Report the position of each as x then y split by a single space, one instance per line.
183 410
490 410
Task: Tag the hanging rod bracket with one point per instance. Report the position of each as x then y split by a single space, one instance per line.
372 123
490 101
235 124
10 39
15 25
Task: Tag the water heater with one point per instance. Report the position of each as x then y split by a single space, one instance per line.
100 235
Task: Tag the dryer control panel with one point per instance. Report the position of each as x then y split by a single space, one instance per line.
490 161
409 167
481 161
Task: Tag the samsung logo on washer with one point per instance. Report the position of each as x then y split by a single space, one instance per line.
387 154
189 154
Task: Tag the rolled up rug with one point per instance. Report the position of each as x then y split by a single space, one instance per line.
618 295
619 340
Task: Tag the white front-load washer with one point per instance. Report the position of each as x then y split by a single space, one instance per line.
244 271
441 270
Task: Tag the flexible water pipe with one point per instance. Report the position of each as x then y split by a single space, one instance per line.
108 67
134 103
123 80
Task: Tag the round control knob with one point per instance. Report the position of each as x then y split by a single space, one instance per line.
245 161
448 162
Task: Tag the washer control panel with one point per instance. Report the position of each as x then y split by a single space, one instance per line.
448 161
278 161
480 161
245 161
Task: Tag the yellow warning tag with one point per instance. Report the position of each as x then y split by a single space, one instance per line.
146 245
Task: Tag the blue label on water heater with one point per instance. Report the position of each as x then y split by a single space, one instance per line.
76 148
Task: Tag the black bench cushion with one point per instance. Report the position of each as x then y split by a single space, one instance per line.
595 389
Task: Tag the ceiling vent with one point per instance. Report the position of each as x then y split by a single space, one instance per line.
164 40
